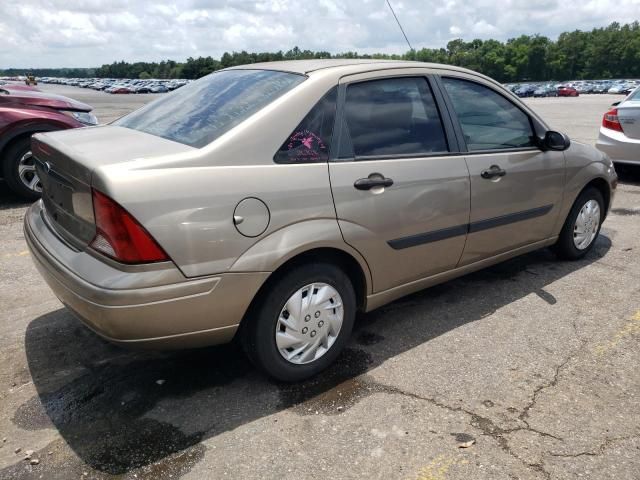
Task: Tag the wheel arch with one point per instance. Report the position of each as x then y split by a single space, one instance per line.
603 187
23 131
595 174
310 239
333 255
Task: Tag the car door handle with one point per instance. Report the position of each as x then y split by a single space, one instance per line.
374 180
493 172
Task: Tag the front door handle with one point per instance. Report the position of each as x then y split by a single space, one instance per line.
493 172
372 181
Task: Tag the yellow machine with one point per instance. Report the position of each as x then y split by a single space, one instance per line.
31 80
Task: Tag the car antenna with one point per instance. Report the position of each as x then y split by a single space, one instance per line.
400 25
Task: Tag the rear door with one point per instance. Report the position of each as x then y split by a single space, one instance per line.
516 188
401 189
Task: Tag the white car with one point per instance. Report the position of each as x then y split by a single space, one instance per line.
620 131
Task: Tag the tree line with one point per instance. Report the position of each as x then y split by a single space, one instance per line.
608 52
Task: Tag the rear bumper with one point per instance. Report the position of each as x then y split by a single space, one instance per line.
152 306
619 147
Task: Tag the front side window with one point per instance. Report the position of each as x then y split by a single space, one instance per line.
309 142
395 116
202 111
489 121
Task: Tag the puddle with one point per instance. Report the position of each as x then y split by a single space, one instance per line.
171 467
335 390
32 415
58 462
101 414
140 444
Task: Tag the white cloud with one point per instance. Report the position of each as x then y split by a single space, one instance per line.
54 33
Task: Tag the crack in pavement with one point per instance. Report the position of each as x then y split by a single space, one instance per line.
599 451
488 427
484 424
554 381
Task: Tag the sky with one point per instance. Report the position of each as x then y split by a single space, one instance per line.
89 33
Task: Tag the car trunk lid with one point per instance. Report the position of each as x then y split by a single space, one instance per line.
65 162
629 118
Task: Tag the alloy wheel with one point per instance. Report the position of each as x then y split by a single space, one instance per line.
27 172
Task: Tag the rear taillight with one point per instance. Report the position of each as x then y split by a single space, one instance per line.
610 120
120 236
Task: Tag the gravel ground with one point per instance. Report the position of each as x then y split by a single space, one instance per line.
532 363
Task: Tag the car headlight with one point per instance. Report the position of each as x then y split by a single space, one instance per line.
83 117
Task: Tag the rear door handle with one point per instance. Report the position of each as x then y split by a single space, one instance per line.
374 180
493 172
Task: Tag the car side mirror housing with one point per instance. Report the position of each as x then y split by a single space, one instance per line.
555 141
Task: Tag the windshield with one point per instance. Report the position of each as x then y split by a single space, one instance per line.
200 112
635 95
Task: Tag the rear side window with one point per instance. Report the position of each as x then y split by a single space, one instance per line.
200 112
489 121
309 142
395 116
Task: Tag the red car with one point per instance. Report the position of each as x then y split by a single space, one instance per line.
565 91
23 112
17 86
119 89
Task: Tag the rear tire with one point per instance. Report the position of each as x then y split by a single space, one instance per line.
14 174
267 333
578 237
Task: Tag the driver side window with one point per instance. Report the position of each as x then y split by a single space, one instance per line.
489 121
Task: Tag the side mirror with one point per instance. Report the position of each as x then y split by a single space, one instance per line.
555 141
615 104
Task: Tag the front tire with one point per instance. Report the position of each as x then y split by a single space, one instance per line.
19 170
582 226
301 323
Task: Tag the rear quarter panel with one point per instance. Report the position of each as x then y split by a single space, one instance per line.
187 201
190 210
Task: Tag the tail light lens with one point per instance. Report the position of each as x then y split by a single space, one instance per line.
610 120
120 236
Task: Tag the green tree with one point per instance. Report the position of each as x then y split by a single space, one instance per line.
608 52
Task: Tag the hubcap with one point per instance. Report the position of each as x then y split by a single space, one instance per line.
27 173
309 323
586 226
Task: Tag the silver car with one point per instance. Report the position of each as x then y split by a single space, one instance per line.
270 202
620 131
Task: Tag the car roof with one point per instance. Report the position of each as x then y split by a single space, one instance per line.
365 64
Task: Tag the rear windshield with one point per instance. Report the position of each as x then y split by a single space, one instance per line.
635 95
200 112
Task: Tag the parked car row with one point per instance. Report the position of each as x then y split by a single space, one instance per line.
122 86
573 88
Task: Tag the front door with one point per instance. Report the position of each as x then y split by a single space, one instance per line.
516 188
401 197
